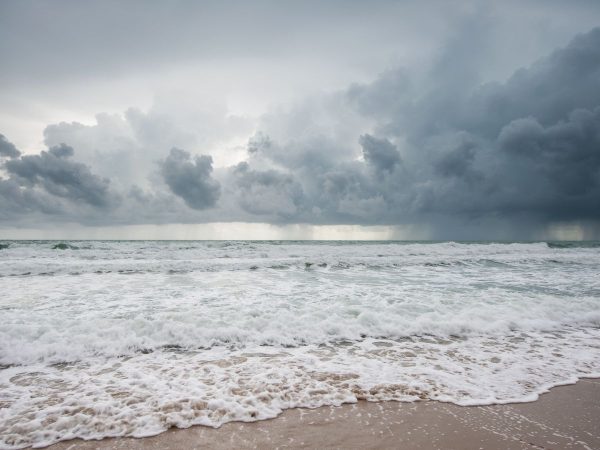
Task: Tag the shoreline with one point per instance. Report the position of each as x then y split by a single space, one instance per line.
566 417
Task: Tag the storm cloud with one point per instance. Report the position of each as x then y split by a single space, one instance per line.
191 179
269 192
56 174
8 149
380 153
442 145
528 147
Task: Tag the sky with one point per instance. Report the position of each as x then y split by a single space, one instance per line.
380 119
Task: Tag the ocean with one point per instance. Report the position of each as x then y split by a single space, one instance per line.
129 338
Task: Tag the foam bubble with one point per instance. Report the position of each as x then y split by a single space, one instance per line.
130 338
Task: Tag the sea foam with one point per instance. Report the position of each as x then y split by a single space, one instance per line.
129 338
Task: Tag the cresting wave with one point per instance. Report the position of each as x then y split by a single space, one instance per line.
130 338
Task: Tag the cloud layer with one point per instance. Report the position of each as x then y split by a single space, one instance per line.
440 148
191 180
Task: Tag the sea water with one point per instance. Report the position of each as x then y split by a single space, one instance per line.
111 338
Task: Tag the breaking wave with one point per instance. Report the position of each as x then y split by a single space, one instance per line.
130 338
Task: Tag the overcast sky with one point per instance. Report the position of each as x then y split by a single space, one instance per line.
281 119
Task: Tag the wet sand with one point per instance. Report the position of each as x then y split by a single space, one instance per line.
567 417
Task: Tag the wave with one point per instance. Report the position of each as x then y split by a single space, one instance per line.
83 332
573 244
128 338
149 393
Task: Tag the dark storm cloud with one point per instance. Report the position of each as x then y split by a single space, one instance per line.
380 153
526 150
7 148
57 175
557 168
457 160
526 146
191 179
349 193
16 201
549 90
440 148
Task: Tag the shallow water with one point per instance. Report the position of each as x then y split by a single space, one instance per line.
129 338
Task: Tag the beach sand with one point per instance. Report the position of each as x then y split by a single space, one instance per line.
567 417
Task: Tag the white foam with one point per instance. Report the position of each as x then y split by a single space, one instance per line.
184 335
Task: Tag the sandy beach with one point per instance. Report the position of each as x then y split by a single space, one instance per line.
565 418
